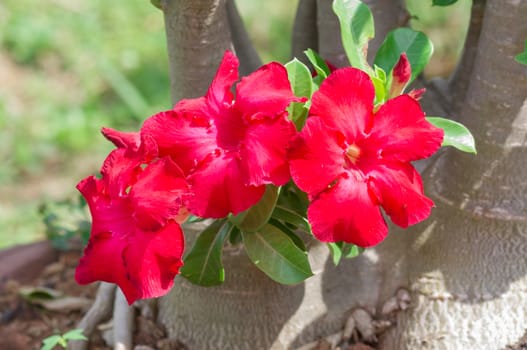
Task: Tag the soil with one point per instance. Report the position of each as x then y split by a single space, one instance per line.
36 270
25 322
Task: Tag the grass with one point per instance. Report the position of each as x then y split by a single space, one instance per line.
69 67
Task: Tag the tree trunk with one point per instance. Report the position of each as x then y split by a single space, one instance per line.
465 266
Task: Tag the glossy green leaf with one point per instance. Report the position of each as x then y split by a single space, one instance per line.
356 28
456 134
350 250
416 45
318 63
294 237
273 252
522 57
291 217
443 2
203 264
257 216
302 86
379 82
336 252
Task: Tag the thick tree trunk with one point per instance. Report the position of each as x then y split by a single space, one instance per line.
249 311
467 264
197 36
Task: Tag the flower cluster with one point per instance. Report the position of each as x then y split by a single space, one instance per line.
213 156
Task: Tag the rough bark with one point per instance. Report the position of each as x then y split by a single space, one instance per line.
459 81
197 36
249 59
305 34
250 311
467 264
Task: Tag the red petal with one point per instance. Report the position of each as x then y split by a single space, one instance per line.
219 189
219 95
264 151
159 194
401 132
266 92
346 212
187 139
316 158
122 139
345 102
401 74
399 189
142 264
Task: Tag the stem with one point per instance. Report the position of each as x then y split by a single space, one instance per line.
459 81
305 35
197 36
249 59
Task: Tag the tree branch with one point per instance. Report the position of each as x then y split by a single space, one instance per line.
305 34
197 36
459 81
249 58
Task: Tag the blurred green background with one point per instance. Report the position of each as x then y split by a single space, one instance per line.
69 67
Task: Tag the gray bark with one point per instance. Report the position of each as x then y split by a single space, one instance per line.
197 37
245 51
305 34
467 264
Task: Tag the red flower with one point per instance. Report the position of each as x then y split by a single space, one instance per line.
230 148
136 241
351 160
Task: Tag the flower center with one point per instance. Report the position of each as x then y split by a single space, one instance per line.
353 153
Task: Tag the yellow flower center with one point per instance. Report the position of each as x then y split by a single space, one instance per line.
353 153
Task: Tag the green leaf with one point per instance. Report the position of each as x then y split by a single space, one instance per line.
336 252
273 252
302 86
318 63
379 82
356 27
522 57
290 217
417 46
203 264
50 342
443 2
296 240
74 334
456 134
350 250
257 216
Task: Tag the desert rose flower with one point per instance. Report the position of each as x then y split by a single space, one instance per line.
229 147
352 159
136 241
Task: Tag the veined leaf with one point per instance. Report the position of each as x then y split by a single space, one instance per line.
302 86
257 216
522 57
336 252
356 27
456 134
416 45
273 252
443 2
290 217
318 63
203 264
